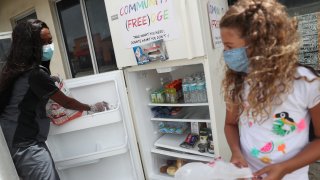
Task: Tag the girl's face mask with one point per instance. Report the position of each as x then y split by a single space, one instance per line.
47 52
236 59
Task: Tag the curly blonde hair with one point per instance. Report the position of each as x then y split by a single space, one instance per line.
273 42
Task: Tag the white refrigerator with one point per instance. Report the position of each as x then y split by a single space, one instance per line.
125 143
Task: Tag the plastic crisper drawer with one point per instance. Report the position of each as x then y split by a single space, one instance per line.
104 168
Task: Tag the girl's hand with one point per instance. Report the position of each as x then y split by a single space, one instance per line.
238 160
273 172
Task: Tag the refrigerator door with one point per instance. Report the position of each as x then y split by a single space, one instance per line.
102 145
184 38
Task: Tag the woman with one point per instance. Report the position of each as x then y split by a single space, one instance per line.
25 88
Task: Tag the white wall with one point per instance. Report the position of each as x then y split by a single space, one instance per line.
13 8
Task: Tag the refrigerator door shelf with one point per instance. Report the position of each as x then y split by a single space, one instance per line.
90 158
172 141
181 155
88 121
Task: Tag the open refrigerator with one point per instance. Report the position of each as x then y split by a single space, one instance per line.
125 142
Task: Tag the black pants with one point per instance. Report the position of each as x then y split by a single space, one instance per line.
34 162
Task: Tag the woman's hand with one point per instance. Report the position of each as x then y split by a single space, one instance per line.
238 160
273 172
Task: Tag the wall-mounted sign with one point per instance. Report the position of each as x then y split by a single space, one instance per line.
309 29
216 12
145 21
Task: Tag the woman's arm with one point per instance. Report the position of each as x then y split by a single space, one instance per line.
308 155
68 102
231 131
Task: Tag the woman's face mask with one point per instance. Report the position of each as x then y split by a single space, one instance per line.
236 59
47 52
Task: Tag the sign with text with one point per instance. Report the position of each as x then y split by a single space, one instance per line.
216 12
145 21
309 29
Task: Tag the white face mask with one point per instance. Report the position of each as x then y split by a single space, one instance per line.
47 52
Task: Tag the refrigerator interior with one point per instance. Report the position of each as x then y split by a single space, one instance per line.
95 146
159 149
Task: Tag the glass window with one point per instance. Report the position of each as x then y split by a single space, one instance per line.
5 43
87 36
231 2
31 15
307 13
100 34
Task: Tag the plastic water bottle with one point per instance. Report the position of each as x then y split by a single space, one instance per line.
186 90
201 91
193 92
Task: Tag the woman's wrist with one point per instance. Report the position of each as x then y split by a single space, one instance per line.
88 107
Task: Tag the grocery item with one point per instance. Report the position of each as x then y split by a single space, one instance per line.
171 170
202 148
58 114
190 141
163 169
173 127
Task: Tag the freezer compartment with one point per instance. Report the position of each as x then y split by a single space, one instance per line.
102 169
84 146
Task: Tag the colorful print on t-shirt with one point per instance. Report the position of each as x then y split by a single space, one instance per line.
264 152
283 125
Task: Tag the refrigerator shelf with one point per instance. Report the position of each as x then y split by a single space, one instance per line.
88 121
181 120
90 158
181 155
161 176
178 104
172 141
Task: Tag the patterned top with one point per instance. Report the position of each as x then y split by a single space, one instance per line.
285 132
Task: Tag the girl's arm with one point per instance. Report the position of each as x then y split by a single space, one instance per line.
308 155
231 131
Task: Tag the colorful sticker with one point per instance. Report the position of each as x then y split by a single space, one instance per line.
282 148
301 125
255 152
267 148
266 160
283 125
261 153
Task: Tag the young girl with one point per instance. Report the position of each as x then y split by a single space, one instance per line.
270 98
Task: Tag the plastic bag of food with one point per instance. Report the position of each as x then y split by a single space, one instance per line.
213 171
58 114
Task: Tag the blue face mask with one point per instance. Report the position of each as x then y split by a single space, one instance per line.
47 52
236 59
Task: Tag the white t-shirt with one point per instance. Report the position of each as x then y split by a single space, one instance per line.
285 133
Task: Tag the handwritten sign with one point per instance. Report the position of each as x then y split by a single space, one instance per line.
216 12
145 21
309 29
